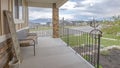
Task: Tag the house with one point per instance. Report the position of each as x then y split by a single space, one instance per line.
19 9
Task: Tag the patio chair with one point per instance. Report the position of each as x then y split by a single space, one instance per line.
25 39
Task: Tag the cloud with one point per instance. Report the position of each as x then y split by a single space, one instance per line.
35 13
106 8
81 9
66 16
94 8
88 2
69 5
73 6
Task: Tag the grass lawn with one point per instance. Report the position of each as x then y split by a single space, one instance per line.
106 43
41 28
112 36
78 40
73 40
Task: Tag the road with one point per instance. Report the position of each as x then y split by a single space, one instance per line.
85 28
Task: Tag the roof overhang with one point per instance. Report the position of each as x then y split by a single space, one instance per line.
45 3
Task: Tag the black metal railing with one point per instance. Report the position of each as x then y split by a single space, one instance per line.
87 44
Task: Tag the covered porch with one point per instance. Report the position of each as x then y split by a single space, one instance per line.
52 53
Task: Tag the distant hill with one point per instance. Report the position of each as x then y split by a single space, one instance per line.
41 20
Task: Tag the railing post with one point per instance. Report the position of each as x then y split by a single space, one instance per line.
98 56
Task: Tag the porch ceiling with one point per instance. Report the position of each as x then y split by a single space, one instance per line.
45 3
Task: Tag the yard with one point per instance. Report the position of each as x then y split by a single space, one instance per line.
79 40
41 28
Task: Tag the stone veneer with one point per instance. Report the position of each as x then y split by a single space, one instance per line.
55 21
5 53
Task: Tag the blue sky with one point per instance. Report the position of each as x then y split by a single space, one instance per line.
80 10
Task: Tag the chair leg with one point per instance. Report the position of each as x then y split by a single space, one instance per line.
34 49
36 41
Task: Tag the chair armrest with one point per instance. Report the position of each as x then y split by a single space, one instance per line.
32 34
27 39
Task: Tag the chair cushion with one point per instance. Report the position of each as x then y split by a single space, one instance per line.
25 43
32 34
32 37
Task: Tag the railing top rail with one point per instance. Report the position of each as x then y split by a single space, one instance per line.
93 31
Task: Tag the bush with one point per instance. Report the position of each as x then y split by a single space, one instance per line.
105 53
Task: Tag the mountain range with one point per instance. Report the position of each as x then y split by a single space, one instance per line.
45 20
41 20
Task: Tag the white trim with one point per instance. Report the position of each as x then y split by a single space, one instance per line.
7 36
22 29
60 3
46 4
18 21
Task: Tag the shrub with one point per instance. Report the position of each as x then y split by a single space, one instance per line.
105 53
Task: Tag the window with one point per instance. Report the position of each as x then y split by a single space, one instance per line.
18 9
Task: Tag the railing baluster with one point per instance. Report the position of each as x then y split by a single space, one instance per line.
77 40
90 42
93 49
88 45
85 47
80 42
68 37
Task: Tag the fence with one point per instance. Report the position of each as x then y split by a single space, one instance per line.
42 30
87 44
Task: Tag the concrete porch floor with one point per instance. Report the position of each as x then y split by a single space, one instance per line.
52 53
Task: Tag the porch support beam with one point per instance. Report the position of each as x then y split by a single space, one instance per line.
55 21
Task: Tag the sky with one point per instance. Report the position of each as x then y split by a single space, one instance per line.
80 10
